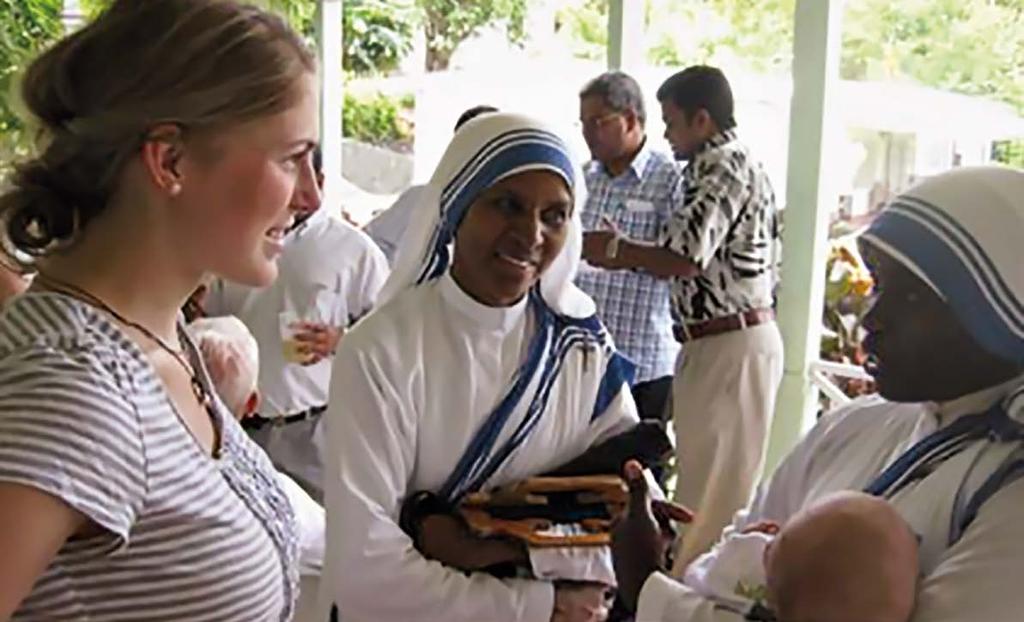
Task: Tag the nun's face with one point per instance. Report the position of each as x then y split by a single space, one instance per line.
510 235
918 350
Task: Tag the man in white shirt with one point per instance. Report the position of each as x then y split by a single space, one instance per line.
387 227
329 277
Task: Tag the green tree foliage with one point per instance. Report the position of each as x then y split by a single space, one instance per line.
378 34
377 119
447 23
586 23
970 46
758 30
300 14
29 26
1009 152
26 27
92 8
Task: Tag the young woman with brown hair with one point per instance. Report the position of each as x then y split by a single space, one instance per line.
176 133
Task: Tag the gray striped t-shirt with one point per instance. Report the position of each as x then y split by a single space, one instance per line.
84 417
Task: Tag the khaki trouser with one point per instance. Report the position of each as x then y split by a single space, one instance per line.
723 399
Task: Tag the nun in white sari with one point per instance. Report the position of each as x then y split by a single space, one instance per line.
944 441
476 371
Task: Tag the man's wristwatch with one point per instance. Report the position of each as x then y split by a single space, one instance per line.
611 251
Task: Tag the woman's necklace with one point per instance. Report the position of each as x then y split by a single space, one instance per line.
198 388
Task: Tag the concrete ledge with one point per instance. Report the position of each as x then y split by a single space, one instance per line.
375 169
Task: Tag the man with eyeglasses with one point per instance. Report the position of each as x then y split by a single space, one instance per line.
632 189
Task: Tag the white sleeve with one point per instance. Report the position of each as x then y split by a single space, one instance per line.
621 415
370 273
979 577
388 227
663 599
734 574
785 492
374 572
385 240
592 564
309 519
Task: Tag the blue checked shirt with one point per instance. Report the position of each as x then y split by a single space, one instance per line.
636 307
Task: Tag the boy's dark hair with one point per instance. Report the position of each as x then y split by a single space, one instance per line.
700 87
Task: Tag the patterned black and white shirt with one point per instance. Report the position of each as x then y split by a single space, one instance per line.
728 226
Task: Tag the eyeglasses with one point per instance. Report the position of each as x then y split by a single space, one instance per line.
596 123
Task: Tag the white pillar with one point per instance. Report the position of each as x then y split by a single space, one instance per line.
810 199
625 34
71 15
329 47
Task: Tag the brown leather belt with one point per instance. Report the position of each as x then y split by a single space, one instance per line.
719 325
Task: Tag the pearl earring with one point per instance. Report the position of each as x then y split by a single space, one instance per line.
175 189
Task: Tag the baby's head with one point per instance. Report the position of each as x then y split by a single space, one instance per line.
848 558
231 356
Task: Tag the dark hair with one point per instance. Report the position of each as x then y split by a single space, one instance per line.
701 87
619 91
473 113
95 95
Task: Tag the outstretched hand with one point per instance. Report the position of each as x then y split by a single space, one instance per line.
639 545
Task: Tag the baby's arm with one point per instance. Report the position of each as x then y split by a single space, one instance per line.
766 527
733 572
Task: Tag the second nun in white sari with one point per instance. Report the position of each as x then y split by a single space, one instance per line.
485 365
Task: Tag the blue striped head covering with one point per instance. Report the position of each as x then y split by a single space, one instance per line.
961 232
483 152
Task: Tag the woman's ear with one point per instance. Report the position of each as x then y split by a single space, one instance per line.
161 156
